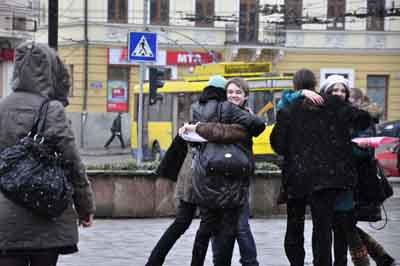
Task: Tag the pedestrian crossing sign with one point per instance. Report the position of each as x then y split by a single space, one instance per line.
142 46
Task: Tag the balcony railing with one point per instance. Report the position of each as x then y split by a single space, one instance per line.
277 35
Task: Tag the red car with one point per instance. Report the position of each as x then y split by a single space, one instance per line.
389 159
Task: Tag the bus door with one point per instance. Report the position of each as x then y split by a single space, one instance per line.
262 102
157 120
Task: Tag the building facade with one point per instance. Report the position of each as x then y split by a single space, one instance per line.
360 39
17 24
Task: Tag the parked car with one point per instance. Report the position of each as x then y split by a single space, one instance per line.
389 129
389 159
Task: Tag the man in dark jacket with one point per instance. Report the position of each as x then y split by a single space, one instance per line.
316 144
116 131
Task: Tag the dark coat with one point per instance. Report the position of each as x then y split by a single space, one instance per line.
223 192
316 144
116 125
176 164
37 76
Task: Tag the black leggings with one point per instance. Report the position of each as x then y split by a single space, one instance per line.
42 259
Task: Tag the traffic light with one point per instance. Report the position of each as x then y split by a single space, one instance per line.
155 81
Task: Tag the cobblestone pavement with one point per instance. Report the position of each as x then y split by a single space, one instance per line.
129 241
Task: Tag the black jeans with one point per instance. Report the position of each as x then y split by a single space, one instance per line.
221 224
244 238
339 242
184 216
42 259
346 234
115 134
322 212
294 237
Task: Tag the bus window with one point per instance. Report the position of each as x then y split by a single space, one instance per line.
262 104
185 100
162 110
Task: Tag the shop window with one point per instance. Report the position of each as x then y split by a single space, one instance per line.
204 13
293 13
118 11
248 21
377 86
159 12
336 11
376 11
117 89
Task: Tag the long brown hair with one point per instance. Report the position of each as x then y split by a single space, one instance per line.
241 83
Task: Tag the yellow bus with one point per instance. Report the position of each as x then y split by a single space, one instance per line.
162 120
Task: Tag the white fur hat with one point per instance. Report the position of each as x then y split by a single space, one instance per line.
333 79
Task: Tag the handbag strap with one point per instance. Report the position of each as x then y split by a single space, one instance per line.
40 119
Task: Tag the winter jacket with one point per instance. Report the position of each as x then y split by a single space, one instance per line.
223 192
177 161
316 144
116 125
39 74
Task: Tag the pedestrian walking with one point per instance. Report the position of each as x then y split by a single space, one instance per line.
116 131
219 197
315 141
25 238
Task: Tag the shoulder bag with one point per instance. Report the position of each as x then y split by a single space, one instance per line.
32 172
372 190
219 159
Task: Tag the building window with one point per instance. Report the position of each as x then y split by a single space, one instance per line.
118 11
204 13
293 14
19 23
336 11
376 18
377 86
159 12
248 21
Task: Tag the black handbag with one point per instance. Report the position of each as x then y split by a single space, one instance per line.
372 190
218 159
32 173
368 212
225 160
373 185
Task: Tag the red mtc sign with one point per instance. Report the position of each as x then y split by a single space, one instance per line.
186 58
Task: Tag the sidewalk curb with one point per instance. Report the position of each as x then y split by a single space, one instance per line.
105 152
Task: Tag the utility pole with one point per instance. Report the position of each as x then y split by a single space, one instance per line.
53 24
85 82
142 71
